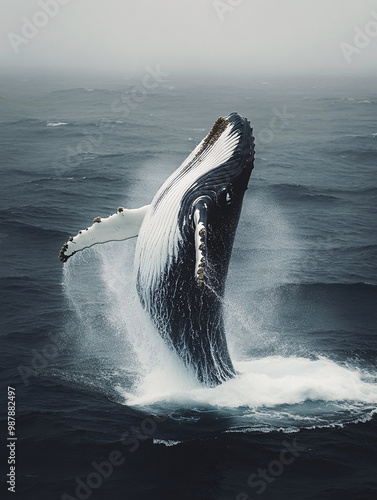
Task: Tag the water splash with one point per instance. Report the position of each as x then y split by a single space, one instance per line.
118 350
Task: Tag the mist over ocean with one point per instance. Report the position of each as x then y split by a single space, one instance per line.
103 409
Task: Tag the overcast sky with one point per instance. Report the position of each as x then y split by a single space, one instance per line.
254 36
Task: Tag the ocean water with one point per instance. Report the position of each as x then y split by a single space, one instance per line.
103 409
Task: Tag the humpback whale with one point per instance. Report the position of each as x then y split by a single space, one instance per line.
184 244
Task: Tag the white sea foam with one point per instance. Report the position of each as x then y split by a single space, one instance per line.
166 442
56 124
270 381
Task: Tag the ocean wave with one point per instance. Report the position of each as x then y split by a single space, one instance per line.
364 191
39 225
297 192
360 148
360 416
166 442
364 291
56 124
26 121
360 153
79 90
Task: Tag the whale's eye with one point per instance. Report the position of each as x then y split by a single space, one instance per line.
224 196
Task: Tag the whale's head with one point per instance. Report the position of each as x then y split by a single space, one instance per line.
212 205
196 211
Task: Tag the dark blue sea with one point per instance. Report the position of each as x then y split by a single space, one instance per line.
103 410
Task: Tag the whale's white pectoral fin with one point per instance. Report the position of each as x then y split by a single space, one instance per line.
122 225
